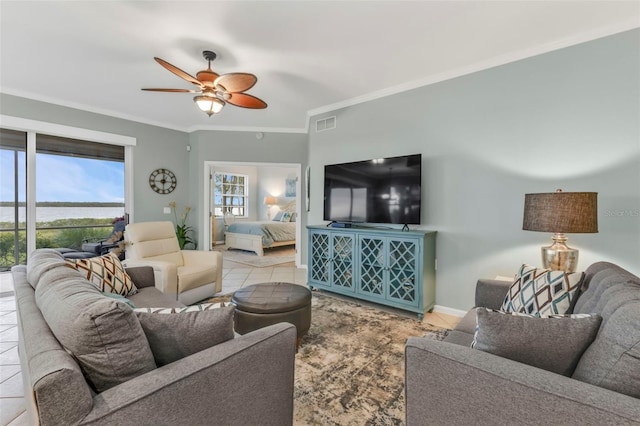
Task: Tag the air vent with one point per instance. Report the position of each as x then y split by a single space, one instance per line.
326 124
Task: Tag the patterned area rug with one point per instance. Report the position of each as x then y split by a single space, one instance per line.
350 366
272 257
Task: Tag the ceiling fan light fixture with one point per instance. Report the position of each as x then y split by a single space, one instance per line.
209 104
215 90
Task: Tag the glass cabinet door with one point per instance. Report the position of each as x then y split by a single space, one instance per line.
342 260
402 269
319 246
372 266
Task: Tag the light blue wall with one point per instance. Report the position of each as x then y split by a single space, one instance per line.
567 119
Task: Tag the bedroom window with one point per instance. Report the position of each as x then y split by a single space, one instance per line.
230 194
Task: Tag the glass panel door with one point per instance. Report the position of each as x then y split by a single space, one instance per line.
79 193
13 172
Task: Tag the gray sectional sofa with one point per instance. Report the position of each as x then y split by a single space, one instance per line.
245 380
448 382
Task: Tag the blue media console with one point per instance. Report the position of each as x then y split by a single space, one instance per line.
390 267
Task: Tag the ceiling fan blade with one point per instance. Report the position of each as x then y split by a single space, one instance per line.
173 90
246 101
236 81
177 71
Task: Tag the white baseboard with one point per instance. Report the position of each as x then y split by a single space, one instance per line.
449 311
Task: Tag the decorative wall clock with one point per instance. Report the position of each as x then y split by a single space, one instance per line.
163 181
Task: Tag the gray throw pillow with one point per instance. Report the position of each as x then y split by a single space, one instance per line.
553 343
278 216
101 333
175 333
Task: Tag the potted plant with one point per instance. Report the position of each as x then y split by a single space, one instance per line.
183 231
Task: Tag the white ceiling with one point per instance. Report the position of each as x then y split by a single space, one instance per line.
309 56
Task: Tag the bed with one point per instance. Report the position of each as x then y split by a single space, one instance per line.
256 236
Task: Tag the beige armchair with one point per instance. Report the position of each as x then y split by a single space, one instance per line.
190 275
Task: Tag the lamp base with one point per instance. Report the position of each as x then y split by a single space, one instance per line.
559 257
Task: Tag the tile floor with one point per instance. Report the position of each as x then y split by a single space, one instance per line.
235 276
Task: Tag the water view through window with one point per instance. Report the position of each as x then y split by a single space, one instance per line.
79 193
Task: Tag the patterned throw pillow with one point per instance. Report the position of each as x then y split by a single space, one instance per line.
193 329
286 217
193 308
554 343
106 273
542 292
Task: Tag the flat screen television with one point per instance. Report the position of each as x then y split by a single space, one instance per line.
382 190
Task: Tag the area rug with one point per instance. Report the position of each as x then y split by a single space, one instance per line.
350 365
272 257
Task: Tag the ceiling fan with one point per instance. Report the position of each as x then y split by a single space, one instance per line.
216 90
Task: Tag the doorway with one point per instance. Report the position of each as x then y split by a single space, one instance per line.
254 192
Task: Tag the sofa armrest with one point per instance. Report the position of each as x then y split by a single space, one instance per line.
452 384
246 380
491 293
165 274
142 276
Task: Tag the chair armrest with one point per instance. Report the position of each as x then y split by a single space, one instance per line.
192 257
246 380
165 274
213 258
491 293
452 384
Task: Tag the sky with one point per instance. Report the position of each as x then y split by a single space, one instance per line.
61 178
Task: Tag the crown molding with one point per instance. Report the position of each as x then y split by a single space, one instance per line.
88 108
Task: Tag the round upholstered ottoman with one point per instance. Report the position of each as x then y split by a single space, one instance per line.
260 305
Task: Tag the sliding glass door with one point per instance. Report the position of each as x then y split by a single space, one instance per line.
57 192
13 196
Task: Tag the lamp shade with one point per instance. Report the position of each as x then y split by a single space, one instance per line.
270 200
561 212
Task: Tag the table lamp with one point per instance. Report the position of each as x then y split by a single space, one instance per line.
270 201
561 212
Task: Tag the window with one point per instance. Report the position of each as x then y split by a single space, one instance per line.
78 191
230 194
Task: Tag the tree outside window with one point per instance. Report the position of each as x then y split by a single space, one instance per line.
230 194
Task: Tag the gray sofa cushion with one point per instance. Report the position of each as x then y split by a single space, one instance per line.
152 297
103 334
599 277
41 261
173 336
613 360
554 344
468 323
